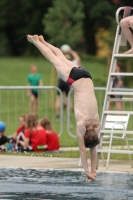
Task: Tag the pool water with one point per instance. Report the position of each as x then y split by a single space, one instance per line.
35 184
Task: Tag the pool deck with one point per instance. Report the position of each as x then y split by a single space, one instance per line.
13 161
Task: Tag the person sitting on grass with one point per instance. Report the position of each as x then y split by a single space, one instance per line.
52 139
18 135
21 127
3 138
35 135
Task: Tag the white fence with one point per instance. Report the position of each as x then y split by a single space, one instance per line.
14 102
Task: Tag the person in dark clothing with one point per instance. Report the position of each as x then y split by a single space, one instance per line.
117 83
3 138
62 85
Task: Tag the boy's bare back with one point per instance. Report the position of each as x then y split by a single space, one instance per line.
85 104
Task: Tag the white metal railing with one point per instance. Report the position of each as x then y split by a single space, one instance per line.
119 10
14 102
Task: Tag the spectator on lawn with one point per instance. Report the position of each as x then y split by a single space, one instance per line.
34 79
21 127
3 138
18 135
117 83
52 139
35 135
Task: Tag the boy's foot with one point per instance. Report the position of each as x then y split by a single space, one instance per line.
90 177
32 38
41 39
57 116
130 51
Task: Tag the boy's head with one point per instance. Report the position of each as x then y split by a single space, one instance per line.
119 67
68 56
33 68
2 127
46 124
91 138
22 119
31 121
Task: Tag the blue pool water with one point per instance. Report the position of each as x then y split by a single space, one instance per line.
36 184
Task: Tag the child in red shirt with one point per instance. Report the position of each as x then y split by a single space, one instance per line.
18 135
21 128
52 139
35 135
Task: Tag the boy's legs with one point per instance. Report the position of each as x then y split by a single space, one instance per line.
32 101
57 52
125 24
111 105
93 160
21 137
93 163
119 105
57 106
3 140
34 105
62 68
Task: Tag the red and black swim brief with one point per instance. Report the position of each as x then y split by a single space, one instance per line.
78 73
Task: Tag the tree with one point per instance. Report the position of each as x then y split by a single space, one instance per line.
98 14
19 18
63 22
82 18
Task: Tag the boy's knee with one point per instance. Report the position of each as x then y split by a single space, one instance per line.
131 24
123 23
32 99
57 49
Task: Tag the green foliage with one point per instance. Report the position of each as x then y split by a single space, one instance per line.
63 22
73 21
109 40
66 154
98 10
15 71
98 14
19 18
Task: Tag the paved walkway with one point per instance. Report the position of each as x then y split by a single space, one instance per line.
104 147
58 163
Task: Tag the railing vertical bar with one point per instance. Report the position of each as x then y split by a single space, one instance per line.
16 103
53 116
8 109
0 104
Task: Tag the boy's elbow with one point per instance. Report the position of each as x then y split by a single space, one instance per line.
82 149
25 144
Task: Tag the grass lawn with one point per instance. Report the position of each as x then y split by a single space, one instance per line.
66 154
14 71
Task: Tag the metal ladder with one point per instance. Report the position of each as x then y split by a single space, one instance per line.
120 40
